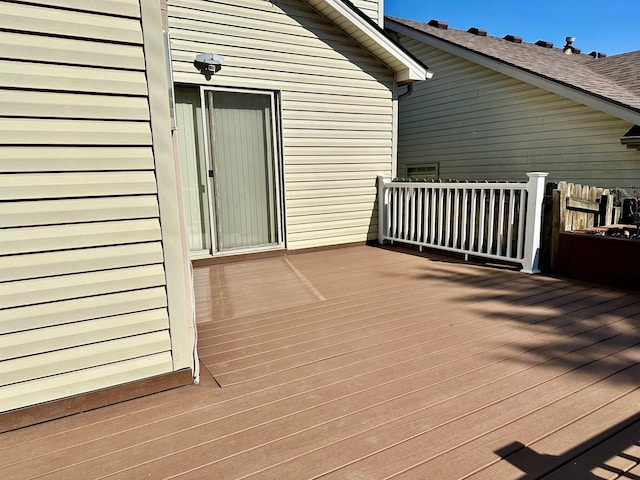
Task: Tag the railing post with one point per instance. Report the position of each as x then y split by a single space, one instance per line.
533 226
382 207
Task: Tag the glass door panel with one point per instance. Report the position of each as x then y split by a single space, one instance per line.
229 170
193 168
241 136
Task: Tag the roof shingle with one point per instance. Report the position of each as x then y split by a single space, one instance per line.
615 78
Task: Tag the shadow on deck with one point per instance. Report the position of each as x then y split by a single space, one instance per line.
371 363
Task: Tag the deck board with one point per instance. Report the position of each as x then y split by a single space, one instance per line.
371 363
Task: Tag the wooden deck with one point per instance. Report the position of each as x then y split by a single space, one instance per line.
365 363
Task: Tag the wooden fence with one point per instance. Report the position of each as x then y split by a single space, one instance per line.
569 207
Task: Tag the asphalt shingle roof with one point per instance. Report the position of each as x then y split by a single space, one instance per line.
615 78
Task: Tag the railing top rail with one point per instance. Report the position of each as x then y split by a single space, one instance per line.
460 185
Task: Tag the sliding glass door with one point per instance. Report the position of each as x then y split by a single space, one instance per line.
227 145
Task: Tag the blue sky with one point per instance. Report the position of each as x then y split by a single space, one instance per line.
609 26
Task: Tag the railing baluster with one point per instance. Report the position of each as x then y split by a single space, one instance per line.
500 223
521 222
463 220
447 217
414 195
481 222
491 225
441 215
394 229
434 204
512 207
456 217
473 219
467 218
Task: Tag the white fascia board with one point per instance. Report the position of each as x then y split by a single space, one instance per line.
544 83
407 69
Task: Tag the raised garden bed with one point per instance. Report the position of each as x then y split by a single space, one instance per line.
605 255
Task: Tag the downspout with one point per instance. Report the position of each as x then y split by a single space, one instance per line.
408 93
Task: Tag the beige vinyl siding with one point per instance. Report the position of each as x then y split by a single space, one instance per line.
371 8
480 124
335 105
83 287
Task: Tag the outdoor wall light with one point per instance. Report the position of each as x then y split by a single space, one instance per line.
208 63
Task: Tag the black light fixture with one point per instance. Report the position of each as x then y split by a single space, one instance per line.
208 63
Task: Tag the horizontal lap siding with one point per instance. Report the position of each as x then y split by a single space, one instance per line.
480 124
372 8
83 302
336 105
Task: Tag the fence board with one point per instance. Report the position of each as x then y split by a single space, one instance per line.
576 207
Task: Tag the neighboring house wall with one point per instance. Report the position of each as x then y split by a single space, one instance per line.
372 8
87 203
336 106
476 123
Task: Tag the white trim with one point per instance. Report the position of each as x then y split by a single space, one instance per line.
571 93
395 132
406 68
175 249
278 173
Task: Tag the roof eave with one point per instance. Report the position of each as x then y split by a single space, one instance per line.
372 38
573 93
632 138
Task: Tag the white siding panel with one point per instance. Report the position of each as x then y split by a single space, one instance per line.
81 309
305 54
336 100
21 267
69 159
318 195
307 118
334 231
26 343
246 19
314 187
58 362
372 8
50 21
63 185
83 287
316 84
321 221
29 131
18 46
19 214
304 206
344 169
307 100
78 235
480 124
64 105
71 78
52 289
124 8
77 382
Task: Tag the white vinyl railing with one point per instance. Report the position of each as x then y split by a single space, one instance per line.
501 221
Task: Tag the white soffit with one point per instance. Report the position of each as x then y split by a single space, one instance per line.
406 68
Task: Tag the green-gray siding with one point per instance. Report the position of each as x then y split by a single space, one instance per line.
480 124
